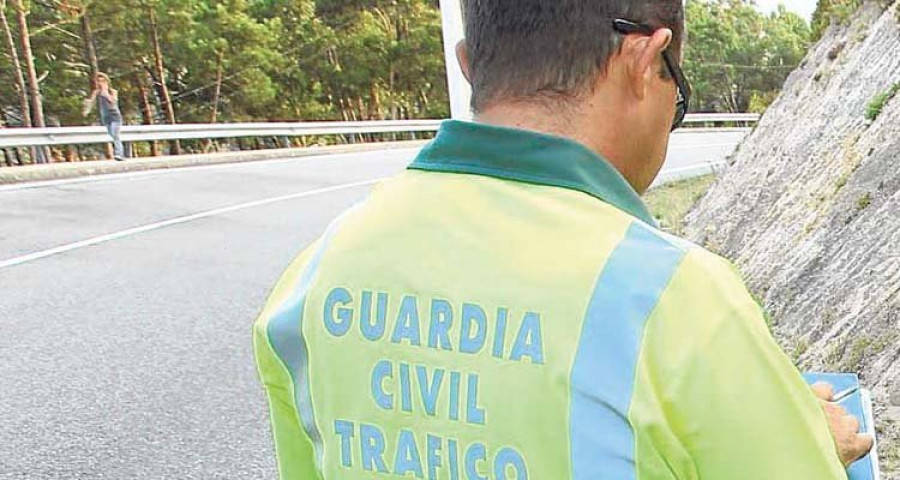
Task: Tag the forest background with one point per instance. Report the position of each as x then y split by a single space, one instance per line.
210 61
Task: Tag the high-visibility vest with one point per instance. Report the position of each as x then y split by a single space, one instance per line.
506 309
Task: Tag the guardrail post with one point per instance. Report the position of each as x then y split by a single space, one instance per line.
342 132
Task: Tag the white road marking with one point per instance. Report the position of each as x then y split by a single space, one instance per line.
674 145
190 169
709 165
709 145
323 156
177 221
188 218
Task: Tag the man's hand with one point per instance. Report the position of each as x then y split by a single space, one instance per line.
851 445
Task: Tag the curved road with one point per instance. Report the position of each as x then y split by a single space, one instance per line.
126 303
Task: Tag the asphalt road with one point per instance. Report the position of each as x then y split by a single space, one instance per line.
126 303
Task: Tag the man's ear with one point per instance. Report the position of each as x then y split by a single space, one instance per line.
462 56
647 55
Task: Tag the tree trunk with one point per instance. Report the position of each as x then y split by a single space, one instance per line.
360 108
218 91
90 51
19 79
392 82
214 116
6 158
37 107
34 90
174 146
15 151
424 100
146 109
375 112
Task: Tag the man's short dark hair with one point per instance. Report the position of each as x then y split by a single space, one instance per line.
551 49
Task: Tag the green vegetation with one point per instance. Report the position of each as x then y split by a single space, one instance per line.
670 203
890 454
858 350
863 202
849 355
829 316
834 355
841 181
181 61
235 60
800 347
829 11
759 103
873 110
738 58
851 161
862 348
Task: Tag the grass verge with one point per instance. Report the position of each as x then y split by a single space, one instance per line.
873 110
670 203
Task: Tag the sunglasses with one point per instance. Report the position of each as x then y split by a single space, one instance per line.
626 27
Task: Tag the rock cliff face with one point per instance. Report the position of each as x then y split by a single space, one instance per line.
809 209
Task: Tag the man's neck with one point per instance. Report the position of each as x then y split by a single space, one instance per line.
593 130
535 118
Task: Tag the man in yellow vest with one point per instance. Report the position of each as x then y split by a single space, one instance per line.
507 308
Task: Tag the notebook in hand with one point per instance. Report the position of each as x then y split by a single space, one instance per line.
858 404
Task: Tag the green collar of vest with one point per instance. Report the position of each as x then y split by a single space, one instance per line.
531 157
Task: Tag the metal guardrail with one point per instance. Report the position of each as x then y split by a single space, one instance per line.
722 118
28 137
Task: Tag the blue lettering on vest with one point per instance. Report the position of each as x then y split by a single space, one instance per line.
529 342
405 389
508 457
345 430
472 315
454 395
373 330
371 443
429 392
341 325
441 321
474 454
474 413
500 332
453 454
407 327
382 371
407 458
433 455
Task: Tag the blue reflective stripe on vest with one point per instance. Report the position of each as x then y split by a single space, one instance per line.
602 382
285 333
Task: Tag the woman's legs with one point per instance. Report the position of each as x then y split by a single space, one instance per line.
114 130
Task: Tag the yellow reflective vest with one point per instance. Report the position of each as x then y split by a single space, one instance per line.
506 309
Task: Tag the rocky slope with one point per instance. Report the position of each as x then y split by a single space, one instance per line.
810 211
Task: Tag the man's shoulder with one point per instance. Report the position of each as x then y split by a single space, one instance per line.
697 274
692 255
706 291
695 258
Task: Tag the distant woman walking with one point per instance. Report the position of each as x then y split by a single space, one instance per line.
110 115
